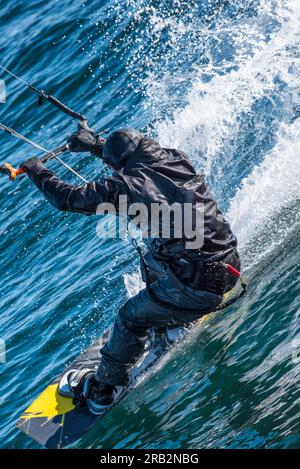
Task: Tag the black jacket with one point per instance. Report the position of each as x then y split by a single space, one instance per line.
151 174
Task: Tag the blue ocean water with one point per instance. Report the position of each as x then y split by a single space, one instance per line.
221 81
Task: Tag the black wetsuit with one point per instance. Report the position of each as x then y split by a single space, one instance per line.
187 279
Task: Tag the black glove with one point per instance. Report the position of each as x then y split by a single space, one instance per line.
85 140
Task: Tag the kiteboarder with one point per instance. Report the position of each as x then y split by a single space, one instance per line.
182 283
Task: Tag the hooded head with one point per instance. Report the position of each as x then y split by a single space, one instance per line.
119 146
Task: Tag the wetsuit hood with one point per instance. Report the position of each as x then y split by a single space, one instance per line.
120 145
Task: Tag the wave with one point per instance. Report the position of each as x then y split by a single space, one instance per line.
261 63
222 101
272 187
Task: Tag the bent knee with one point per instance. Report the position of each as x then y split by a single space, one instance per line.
132 314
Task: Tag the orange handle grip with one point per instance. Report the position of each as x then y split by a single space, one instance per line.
12 172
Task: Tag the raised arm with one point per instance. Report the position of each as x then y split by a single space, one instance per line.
68 197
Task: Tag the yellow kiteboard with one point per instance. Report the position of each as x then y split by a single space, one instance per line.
55 422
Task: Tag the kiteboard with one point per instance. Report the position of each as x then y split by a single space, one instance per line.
55 422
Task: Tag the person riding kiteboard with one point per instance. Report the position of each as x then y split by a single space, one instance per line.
182 284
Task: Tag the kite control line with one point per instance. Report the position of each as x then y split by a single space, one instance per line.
14 172
42 95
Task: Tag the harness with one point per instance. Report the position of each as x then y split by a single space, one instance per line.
212 263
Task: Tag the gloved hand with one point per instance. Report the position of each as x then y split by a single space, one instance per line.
85 140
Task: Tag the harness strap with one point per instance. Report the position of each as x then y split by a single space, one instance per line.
156 300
